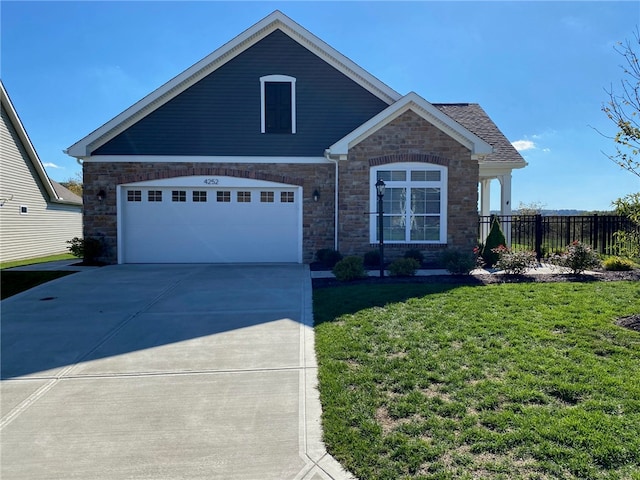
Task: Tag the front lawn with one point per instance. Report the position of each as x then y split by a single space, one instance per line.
531 381
33 261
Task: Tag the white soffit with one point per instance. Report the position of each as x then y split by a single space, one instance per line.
412 101
213 61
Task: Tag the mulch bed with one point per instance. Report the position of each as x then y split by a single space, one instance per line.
604 276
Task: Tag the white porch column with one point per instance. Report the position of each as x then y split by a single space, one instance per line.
485 206
505 204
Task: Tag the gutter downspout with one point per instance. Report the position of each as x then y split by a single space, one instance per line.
335 201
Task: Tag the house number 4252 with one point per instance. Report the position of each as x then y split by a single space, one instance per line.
211 181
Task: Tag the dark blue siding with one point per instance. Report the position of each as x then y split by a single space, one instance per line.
220 115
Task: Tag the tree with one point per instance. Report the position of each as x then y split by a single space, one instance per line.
628 241
74 184
533 208
623 108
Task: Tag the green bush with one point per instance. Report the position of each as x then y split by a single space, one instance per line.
372 258
349 268
458 262
578 257
328 257
404 267
415 254
618 264
89 249
493 241
515 263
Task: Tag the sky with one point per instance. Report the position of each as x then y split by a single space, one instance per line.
539 69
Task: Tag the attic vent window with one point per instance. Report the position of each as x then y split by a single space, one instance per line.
277 104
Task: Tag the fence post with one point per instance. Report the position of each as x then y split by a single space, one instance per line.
538 236
595 232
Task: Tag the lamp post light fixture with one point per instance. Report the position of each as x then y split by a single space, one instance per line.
380 186
101 195
316 195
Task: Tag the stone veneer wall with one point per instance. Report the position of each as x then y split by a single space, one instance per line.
100 217
408 138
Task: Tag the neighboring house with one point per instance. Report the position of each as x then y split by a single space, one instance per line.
268 150
37 215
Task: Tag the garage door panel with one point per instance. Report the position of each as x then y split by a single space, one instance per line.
211 231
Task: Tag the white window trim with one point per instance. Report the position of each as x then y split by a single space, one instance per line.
282 79
442 184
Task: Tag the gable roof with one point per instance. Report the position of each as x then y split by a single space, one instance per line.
275 21
64 192
62 195
473 117
414 102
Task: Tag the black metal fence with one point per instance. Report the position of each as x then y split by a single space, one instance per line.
549 234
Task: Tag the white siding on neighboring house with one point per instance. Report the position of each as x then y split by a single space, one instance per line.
46 226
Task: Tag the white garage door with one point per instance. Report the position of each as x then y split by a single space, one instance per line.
209 220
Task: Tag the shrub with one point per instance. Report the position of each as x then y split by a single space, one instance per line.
515 263
628 241
372 258
328 257
618 264
458 262
578 257
349 268
415 254
89 249
494 240
404 267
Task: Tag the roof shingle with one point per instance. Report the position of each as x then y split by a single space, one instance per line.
474 118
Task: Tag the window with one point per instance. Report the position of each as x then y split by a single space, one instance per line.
266 197
414 203
199 196
277 104
134 195
244 197
24 210
286 197
155 195
178 196
223 196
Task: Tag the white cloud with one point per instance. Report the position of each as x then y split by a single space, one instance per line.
522 145
51 165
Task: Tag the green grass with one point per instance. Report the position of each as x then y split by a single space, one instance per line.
531 381
33 261
16 282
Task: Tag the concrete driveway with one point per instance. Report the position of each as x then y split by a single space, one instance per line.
163 372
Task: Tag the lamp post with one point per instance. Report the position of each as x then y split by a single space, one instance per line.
380 186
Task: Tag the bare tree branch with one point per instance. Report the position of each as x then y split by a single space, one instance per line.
623 109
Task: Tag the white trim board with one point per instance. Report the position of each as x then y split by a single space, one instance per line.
204 181
412 101
188 159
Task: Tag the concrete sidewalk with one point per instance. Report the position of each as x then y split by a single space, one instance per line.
163 372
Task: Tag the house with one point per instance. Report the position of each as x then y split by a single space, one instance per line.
268 150
37 215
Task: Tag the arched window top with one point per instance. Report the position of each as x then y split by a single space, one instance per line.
278 78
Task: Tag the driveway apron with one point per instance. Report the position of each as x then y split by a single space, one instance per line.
163 372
